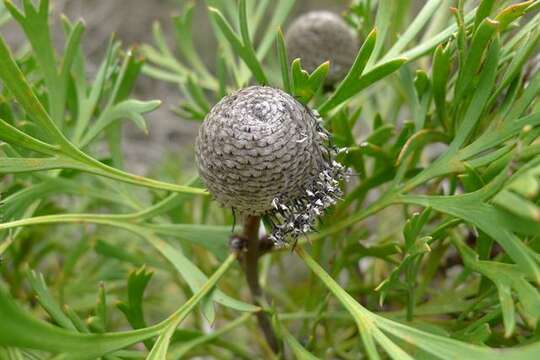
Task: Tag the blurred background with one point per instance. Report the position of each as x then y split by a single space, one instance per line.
131 21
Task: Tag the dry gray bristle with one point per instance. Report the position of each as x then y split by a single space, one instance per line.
261 152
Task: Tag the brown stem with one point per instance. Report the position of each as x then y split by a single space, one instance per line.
251 269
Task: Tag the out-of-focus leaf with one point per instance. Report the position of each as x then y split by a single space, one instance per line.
242 47
159 351
472 207
128 109
373 328
506 278
19 329
440 73
137 282
365 80
284 62
181 350
45 299
342 92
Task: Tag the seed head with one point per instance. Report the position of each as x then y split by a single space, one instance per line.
261 152
320 36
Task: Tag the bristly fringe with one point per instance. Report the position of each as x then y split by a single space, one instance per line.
291 219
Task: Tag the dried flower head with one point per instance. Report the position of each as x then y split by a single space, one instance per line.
321 36
261 152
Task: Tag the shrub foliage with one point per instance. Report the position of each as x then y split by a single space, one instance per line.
432 253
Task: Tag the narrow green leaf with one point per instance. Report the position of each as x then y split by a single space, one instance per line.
21 165
244 50
298 350
472 208
518 205
15 81
414 28
383 20
137 282
440 73
14 136
479 44
129 109
371 327
511 13
192 274
73 44
284 62
159 351
279 15
20 329
184 41
480 97
45 299
180 351
484 10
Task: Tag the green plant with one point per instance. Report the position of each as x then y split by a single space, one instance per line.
432 252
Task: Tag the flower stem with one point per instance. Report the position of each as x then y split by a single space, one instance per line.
251 269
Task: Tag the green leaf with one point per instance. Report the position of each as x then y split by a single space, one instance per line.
435 40
14 80
21 165
360 62
213 238
341 130
137 283
243 48
130 109
298 350
184 41
440 74
518 205
511 13
161 346
372 327
472 208
414 28
47 302
181 350
191 273
383 21
20 329
306 85
506 277
101 307
35 24
14 136
484 10
88 98
279 15
11 353
357 85
194 276
283 61
481 39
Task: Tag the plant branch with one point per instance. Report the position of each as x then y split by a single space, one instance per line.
250 263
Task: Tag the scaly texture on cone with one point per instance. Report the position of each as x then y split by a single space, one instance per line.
320 36
261 152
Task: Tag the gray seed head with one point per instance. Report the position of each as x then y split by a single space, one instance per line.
321 36
261 152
